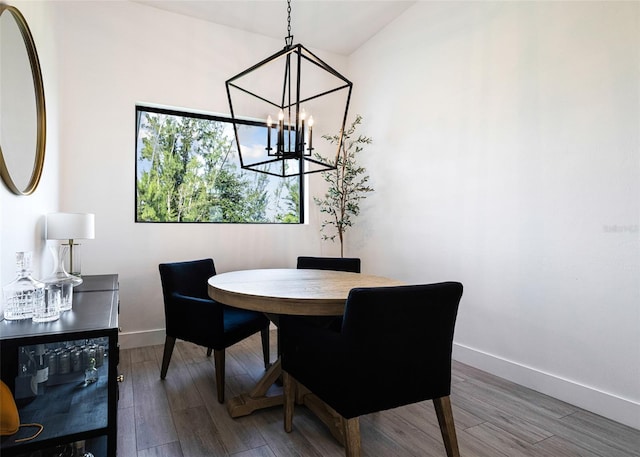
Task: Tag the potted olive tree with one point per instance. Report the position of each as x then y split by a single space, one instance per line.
347 185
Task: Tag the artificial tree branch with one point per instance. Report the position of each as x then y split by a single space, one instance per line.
347 185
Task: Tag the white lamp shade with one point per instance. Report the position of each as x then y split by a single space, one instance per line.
70 226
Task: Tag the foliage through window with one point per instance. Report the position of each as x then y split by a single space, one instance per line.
187 170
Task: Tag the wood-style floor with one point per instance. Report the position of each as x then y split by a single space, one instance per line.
181 416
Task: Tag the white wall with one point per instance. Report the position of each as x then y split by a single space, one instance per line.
510 133
113 55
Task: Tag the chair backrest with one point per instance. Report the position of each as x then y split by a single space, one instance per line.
406 331
350 264
186 278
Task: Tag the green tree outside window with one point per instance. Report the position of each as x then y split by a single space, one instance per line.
187 171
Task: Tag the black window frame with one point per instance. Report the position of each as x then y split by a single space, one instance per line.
217 118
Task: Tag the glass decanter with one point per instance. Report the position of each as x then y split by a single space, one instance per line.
60 279
24 293
91 373
48 309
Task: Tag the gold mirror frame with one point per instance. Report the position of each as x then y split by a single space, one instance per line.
40 109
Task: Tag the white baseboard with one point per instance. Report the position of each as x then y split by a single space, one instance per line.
130 340
605 404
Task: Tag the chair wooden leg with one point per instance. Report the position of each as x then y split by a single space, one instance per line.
218 363
209 352
447 427
289 392
264 333
278 343
169 343
351 429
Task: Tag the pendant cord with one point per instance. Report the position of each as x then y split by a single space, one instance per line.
289 39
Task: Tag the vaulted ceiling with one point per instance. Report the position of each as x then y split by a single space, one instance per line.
339 26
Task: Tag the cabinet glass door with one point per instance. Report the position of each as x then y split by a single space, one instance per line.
63 386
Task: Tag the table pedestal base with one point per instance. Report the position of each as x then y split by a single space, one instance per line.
324 412
245 404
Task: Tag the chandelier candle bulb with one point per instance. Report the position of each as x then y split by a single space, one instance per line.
310 133
269 122
281 131
303 115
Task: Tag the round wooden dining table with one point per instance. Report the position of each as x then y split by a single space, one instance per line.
285 291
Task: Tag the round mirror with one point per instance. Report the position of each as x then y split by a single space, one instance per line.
22 111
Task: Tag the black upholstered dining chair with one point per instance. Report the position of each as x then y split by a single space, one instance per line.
351 264
348 264
192 316
394 349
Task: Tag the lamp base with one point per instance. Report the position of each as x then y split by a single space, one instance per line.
73 263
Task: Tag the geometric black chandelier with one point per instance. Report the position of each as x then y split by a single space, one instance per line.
283 101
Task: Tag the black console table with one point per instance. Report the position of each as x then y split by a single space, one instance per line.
75 415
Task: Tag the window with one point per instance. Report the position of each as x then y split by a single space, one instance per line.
187 170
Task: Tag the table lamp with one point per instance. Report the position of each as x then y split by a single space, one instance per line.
71 226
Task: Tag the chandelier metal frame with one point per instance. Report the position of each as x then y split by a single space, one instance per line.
294 133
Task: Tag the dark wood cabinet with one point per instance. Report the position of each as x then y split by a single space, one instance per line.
75 414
